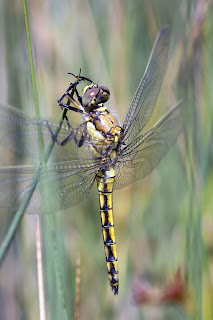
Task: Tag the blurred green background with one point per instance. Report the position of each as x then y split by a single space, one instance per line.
162 222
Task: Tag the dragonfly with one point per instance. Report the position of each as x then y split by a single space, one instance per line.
98 149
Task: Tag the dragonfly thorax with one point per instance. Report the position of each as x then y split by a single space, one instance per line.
104 130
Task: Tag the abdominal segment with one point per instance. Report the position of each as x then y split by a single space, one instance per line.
105 180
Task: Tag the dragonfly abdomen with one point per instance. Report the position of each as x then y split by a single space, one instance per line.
105 180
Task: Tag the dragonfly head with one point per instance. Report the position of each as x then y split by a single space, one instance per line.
93 95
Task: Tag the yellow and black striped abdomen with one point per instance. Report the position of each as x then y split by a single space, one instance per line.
105 181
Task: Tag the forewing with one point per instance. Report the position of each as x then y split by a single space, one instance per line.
59 186
143 102
19 133
143 154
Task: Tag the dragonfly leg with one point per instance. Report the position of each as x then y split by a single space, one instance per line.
72 86
81 78
68 95
66 106
71 136
75 103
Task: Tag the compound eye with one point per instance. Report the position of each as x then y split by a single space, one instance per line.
90 96
104 94
104 90
91 93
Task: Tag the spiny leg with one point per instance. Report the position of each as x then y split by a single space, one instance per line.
69 94
80 77
71 136
72 86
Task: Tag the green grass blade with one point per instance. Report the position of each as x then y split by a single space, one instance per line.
32 71
44 155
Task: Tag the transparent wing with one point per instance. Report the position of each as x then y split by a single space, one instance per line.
143 154
143 102
19 134
59 186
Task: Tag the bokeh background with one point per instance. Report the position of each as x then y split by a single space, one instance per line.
163 222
